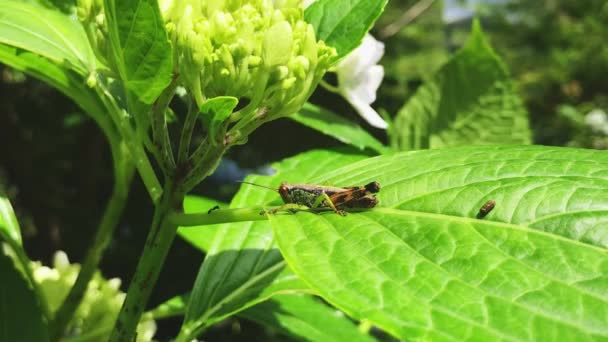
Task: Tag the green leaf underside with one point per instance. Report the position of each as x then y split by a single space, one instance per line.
471 100
20 314
422 267
337 127
9 226
342 24
47 33
142 50
243 266
305 318
297 315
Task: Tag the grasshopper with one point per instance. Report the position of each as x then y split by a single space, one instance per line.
324 197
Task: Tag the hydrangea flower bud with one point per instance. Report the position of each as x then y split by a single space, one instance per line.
99 306
90 13
260 51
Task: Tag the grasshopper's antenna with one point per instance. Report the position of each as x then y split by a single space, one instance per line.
261 186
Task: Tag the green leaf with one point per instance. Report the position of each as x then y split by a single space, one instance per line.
305 318
200 237
20 313
214 113
471 100
141 48
343 23
63 79
48 33
296 315
422 267
9 226
337 127
243 266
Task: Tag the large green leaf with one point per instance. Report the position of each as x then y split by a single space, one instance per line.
337 127
46 32
471 100
343 23
422 267
141 48
305 318
20 313
243 266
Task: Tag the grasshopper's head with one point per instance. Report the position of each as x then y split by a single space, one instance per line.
285 193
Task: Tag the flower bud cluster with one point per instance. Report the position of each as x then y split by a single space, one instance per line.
100 304
91 15
260 51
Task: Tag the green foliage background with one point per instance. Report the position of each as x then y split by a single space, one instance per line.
555 52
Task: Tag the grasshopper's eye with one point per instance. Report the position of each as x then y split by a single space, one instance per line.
373 187
283 190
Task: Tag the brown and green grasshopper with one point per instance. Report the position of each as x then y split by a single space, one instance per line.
324 197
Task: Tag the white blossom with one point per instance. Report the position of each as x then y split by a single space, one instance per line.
597 120
359 76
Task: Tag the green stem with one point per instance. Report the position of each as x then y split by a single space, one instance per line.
138 154
186 136
205 160
157 246
218 216
329 87
160 132
123 174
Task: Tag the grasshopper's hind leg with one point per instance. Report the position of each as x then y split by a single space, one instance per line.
289 207
323 198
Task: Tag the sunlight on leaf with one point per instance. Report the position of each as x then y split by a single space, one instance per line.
422 267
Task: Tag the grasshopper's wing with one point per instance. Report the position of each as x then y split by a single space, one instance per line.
368 201
348 194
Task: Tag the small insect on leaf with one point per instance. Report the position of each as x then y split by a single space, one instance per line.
486 208
319 197
217 207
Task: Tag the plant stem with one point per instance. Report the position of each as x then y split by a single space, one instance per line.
160 131
158 243
218 216
123 175
138 154
161 235
186 136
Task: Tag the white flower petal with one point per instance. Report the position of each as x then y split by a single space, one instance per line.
360 59
307 3
368 84
374 49
367 112
359 77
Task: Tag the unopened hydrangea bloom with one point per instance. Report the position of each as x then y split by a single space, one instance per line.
260 51
100 304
